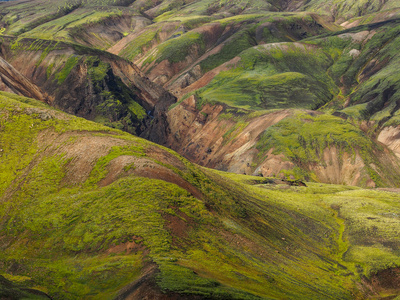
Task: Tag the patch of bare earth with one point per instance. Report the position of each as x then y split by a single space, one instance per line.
201 136
128 247
385 282
390 136
337 169
81 150
13 81
179 225
149 167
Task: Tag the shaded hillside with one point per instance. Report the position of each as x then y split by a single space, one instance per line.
9 290
81 81
273 61
82 202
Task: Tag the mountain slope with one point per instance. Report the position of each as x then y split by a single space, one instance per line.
291 91
236 59
8 290
85 82
80 202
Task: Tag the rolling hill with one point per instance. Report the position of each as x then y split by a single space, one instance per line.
90 212
229 64
297 100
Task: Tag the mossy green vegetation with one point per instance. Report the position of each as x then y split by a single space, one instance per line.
274 77
144 40
260 29
65 20
237 43
97 69
239 238
119 107
350 9
206 233
114 103
367 215
60 28
69 65
11 290
178 48
378 92
304 138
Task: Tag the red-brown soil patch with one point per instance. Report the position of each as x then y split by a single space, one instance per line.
385 282
145 167
179 225
127 247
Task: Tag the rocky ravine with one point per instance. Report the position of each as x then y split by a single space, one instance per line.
88 83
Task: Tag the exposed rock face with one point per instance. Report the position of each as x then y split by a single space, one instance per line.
387 280
158 128
212 138
390 136
202 136
83 82
13 81
342 169
273 165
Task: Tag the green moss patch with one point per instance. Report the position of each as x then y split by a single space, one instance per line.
274 78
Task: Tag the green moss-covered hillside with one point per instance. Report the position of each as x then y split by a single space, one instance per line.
301 93
82 202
